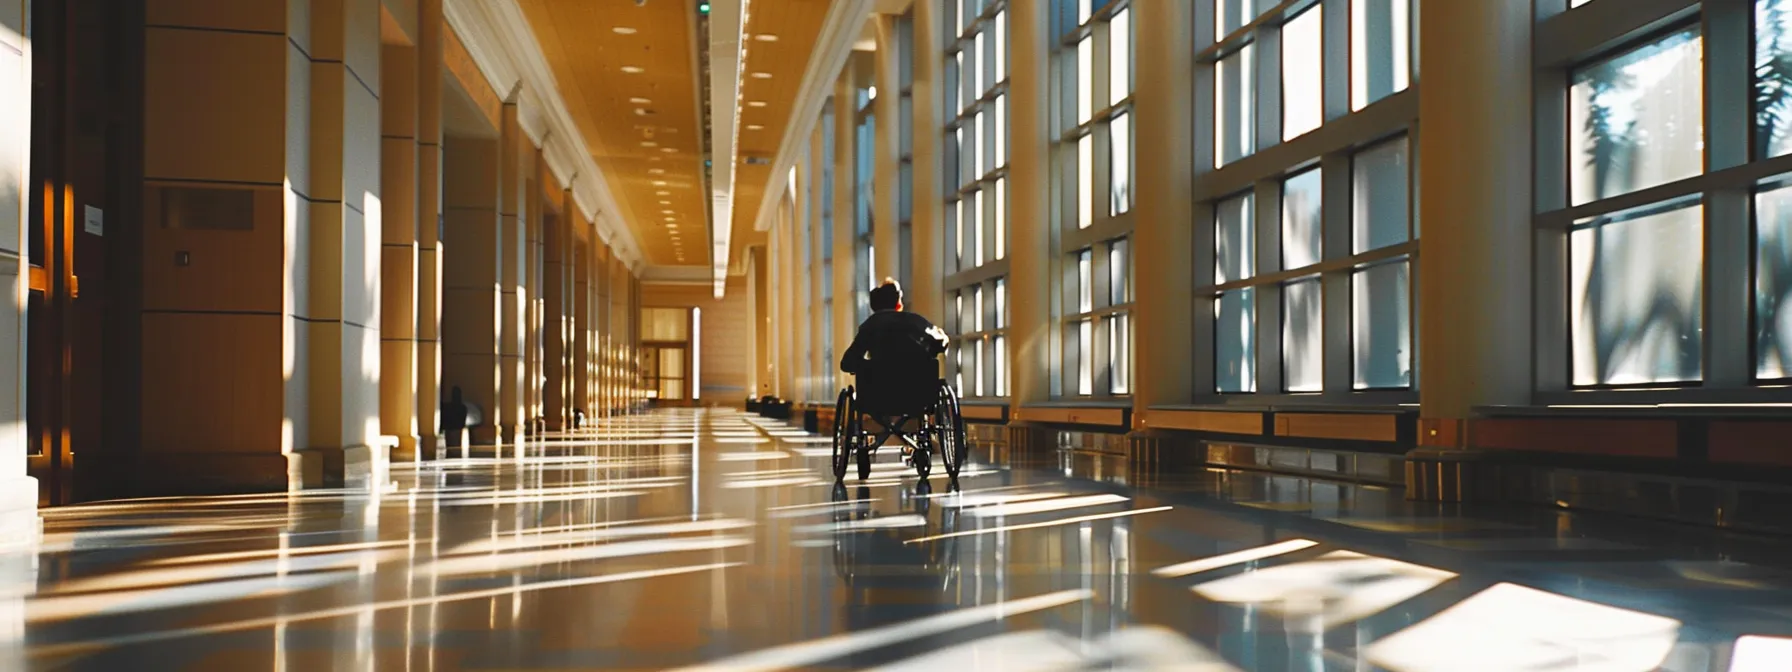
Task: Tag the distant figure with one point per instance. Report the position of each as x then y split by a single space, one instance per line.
891 337
454 417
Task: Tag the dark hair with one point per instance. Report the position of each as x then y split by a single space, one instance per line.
886 296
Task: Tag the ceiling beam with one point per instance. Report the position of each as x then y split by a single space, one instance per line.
727 30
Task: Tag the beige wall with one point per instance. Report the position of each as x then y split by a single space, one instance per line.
18 492
725 344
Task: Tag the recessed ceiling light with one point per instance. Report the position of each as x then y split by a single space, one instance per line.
755 103
633 70
762 75
668 150
661 193
623 30
640 101
665 212
659 183
766 37
649 143
755 127
656 171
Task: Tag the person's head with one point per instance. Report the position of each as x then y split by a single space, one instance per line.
887 296
456 393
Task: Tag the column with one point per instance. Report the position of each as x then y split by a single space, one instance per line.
534 283
927 212
555 321
346 225
886 152
429 228
1030 257
398 249
1163 217
820 323
512 249
470 295
226 356
579 253
1474 169
18 492
846 297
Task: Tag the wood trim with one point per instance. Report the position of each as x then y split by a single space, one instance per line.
1107 417
983 412
1350 426
39 280
1224 422
1746 442
1621 438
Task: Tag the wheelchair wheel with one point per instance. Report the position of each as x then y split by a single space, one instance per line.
949 425
845 433
923 462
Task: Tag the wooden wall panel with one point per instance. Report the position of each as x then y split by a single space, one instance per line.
1625 438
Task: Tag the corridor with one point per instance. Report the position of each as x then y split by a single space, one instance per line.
715 540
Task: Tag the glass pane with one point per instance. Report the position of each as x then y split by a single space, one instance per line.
1234 239
1773 282
979 372
1635 301
977 308
1120 56
1085 181
1380 49
1235 341
1085 285
1001 303
972 227
1085 373
1119 357
976 220
1381 327
1378 202
958 369
1002 45
977 86
1303 91
955 229
1235 100
1001 130
1001 348
1085 76
1637 120
964 319
1773 78
1119 164
1233 14
1002 218
1118 290
1301 220
1303 342
980 162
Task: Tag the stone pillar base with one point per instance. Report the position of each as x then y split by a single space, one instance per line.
356 467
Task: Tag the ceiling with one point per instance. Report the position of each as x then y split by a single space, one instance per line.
651 151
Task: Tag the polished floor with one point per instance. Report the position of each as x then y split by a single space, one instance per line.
715 540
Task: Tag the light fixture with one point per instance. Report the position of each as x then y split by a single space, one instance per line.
623 30
702 8
873 92
649 143
666 212
659 183
656 171
762 75
766 37
661 193
755 127
755 103
633 70
668 150
640 101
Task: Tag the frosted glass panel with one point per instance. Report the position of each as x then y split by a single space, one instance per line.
1120 164
1773 282
1380 49
1085 181
1635 299
1085 290
1378 201
1234 239
1085 75
1302 338
1381 327
1120 56
1085 376
1235 100
1303 94
1119 355
1235 341
1637 120
1301 220
1773 78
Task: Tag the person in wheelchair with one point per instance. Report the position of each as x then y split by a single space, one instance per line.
895 356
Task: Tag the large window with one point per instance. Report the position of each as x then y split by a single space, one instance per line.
1311 278
975 169
864 200
1092 94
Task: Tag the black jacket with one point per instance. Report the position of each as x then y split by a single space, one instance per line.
893 337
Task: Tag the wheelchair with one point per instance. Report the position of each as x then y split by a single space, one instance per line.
910 403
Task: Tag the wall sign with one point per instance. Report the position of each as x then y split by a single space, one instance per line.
94 220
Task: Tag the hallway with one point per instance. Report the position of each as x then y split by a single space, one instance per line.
684 538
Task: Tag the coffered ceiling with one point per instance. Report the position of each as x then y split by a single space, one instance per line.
628 71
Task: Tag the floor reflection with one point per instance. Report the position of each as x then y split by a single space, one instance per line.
716 540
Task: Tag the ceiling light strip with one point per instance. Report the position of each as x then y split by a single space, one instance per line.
727 56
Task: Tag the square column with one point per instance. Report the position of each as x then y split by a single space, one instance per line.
429 228
1031 260
556 331
1162 206
846 298
514 181
927 212
398 250
346 218
886 150
470 294
19 523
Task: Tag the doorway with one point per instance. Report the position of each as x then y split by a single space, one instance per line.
86 176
